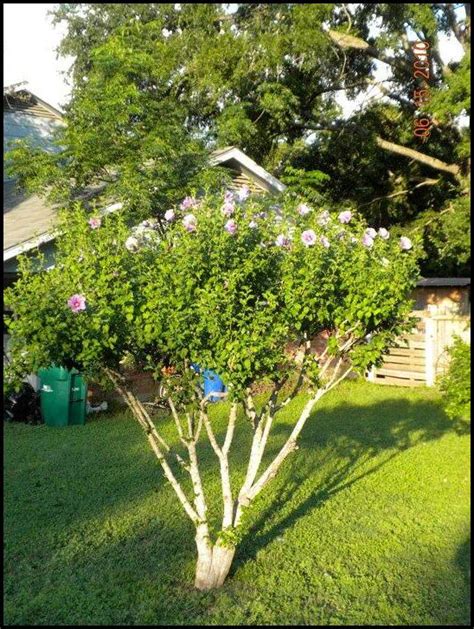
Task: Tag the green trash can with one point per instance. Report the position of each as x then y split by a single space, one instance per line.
63 396
55 392
78 400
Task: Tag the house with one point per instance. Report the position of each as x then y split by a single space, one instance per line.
25 215
246 172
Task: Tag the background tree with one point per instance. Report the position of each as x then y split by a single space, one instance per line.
227 286
156 85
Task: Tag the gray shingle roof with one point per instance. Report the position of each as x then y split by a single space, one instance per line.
444 281
26 215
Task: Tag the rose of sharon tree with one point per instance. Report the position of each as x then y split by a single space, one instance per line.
226 287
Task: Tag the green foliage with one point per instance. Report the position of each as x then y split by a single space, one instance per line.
456 384
231 302
91 262
309 184
370 527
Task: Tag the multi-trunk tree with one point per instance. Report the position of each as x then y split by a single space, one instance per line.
227 285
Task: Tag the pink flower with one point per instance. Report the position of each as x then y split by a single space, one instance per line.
325 242
308 237
345 217
282 241
228 196
231 226
243 193
77 303
169 215
370 231
94 222
228 208
367 240
405 243
303 209
384 233
324 218
190 222
189 202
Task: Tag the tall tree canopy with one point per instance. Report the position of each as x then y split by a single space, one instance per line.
155 86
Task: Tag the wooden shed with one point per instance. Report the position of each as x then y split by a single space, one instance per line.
443 308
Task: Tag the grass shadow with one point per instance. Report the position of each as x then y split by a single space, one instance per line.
354 442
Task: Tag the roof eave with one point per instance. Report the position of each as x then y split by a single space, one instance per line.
224 155
41 239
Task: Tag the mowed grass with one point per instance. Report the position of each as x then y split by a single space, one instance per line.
367 523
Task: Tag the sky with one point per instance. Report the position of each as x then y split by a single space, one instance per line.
30 41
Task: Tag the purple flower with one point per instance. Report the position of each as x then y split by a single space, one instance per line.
190 222
405 243
367 240
325 242
132 243
282 241
231 226
308 237
303 209
169 215
94 222
370 231
345 217
324 218
189 202
253 225
384 233
147 224
262 215
243 194
228 196
77 303
228 208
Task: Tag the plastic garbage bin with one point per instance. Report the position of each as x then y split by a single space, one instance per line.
63 396
78 399
55 389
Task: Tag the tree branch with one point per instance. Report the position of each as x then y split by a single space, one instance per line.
432 162
426 182
344 41
155 440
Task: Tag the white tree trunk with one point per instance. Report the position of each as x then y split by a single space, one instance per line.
213 565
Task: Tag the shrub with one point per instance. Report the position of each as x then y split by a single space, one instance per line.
455 385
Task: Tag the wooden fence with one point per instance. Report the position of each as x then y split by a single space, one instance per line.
420 357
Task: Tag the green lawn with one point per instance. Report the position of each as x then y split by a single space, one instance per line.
367 523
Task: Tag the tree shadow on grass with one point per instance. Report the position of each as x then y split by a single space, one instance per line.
338 448
463 561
